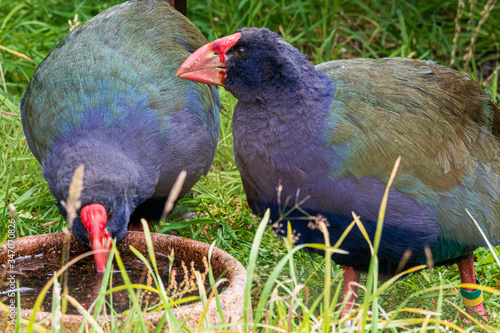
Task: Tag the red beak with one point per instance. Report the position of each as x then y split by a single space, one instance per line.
208 63
94 219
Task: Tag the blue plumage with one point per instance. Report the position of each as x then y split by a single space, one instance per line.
323 140
107 97
330 141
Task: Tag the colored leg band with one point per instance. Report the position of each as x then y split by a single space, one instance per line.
472 298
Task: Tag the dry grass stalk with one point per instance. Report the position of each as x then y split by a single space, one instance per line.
20 55
73 25
461 5
72 204
471 15
188 283
48 224
174 193
12 210
146 296
429 259
484 16
489 79
3 78
10 113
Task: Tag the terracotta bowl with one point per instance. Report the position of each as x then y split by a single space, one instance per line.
184 249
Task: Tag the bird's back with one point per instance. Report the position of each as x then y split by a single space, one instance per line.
446 129
443 125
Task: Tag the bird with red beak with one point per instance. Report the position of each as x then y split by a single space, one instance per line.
328 136
107 98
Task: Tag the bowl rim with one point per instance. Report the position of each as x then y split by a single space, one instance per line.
231 299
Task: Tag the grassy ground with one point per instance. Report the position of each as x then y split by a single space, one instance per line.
463 35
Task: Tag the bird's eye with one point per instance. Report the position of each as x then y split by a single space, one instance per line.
240 51
216 53
110 215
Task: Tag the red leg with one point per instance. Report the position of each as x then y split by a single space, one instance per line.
466 269
351 280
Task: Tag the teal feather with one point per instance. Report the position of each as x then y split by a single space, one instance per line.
107 97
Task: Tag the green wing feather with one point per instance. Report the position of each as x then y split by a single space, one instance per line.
443 124
126 54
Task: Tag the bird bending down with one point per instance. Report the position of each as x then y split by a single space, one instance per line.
332 132
107 97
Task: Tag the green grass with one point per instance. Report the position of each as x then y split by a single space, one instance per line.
323 30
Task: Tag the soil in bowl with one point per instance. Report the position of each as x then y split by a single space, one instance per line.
33 273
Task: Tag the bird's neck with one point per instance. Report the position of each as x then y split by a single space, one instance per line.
276 132
108 170
305 102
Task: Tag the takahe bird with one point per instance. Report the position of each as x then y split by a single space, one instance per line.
107 97
330 134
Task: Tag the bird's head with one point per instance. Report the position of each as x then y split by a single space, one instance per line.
99 224
249 63
113 185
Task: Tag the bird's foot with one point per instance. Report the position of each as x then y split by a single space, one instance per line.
348 311
351 282
481 312
472 297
